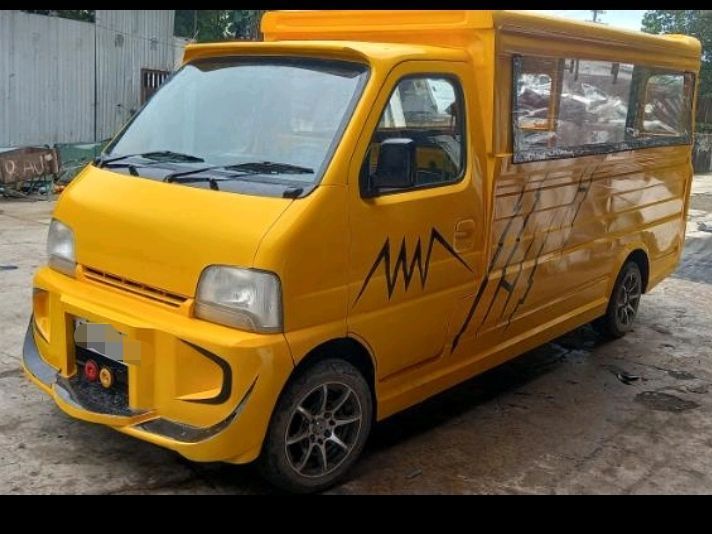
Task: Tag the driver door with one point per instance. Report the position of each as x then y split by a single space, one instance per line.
415 215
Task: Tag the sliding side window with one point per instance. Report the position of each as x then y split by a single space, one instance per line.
576 107
568 107
665 104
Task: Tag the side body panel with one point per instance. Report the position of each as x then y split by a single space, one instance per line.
557 233
561 231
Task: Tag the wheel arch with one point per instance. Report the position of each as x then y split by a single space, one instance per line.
638 254
640 257
345 348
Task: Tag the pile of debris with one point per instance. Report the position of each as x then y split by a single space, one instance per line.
27 171
32 172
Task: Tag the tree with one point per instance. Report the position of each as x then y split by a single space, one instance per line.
87 15
596 13
695 22
246 24
218 24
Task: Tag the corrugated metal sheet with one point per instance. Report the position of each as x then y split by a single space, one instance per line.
128 41
46 79
52 68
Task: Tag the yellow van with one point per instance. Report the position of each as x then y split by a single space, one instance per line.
296 238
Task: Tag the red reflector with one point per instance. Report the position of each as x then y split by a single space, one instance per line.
91 370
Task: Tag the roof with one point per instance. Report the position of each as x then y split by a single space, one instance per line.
365 52
441 27
388 36
535 23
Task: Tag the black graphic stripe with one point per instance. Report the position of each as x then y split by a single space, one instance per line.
492 301
226 388
505 232
473 307
384 256
516 281
530 283
532 274
485 280
535 204
511 286
503 280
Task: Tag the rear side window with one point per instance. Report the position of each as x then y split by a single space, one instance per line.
573 107
663 107
426 111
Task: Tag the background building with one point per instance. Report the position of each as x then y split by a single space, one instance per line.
71 81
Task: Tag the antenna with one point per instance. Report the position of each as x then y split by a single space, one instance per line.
596 13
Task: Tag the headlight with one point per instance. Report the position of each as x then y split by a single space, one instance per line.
243 298
60 248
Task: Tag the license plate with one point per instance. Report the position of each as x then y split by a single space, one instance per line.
101 339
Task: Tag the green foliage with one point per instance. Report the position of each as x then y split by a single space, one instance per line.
246 23
695 22
218 24
87 15
205 24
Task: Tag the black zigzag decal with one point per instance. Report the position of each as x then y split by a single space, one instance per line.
384 256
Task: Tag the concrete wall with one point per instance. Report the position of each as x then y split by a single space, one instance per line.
65 81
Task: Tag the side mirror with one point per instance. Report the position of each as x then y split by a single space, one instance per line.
395 168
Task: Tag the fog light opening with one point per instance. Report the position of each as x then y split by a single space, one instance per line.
106 377
91 370
40 312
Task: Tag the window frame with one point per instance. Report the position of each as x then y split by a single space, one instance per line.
630 143
454 79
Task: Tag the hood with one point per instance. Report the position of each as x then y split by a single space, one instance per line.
162 235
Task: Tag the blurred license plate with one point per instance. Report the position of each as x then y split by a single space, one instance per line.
102 339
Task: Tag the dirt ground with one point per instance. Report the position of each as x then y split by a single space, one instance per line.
574 416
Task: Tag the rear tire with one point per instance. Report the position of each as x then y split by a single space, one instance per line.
319 428
622 304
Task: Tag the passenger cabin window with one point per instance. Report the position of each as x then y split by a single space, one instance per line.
573 107
666 98
419 139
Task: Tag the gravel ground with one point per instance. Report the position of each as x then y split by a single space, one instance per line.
573 416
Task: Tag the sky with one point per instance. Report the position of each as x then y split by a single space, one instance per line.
629 19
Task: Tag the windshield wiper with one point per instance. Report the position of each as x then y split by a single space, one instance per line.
245 169
167 155
186 178
270 167
162 155
174 176
213 182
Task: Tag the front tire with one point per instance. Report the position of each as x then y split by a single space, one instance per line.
623 303
319 428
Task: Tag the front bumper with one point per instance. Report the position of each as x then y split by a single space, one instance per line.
203 390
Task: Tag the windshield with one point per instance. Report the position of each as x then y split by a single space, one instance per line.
280 117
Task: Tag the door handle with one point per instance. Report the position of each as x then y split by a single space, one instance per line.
464 235
461 233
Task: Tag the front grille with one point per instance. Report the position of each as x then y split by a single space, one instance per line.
136 288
